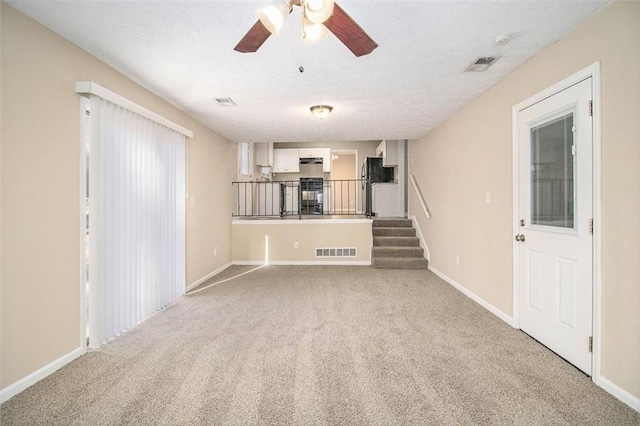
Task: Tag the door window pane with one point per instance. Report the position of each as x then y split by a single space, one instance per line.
552 173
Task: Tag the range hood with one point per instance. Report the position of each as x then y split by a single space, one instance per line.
311 160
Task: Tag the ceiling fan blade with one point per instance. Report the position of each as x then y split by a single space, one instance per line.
253 39
349 32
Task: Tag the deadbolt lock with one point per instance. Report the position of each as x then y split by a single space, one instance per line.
522 222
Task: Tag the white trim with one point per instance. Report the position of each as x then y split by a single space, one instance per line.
618 392
84 134
279 221
305 262
573 79
93 88
515 155
423 243
197 282
596 367
33 378
471 295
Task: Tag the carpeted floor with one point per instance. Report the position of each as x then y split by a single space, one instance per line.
320 345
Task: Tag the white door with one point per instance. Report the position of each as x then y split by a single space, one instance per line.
555 208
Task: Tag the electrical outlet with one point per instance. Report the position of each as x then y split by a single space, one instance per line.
215 251
457 260
487 198
296 245
193 200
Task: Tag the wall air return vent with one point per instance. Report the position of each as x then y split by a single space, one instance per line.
225 102
481 64
336 252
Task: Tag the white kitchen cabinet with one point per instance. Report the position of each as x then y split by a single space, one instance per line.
324 153
326 160
388 150
311 152
327 199
268 198
384 198
264 154
286 160
290 202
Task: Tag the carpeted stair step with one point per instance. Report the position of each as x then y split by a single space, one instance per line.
396 242
397 252
393 231
399 262
392 223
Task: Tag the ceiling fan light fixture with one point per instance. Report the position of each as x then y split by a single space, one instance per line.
313 32
321 111
273 15
318 11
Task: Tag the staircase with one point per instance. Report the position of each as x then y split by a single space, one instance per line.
395 245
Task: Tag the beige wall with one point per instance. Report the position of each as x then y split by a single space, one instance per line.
40 187
249 240
470 154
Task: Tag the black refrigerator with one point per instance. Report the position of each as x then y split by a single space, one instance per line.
373 172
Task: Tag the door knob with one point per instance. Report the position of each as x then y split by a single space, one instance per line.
520 237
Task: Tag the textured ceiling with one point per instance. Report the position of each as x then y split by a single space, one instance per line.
183 52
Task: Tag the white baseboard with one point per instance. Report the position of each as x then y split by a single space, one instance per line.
471 295
33 378
248 262
209 275
423 243
617 392
321 262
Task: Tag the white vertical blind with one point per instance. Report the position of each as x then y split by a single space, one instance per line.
136 220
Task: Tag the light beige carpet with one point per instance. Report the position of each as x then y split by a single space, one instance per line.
320 345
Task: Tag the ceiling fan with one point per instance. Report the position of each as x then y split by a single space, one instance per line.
318 16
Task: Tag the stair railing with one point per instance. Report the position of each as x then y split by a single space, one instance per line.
423 203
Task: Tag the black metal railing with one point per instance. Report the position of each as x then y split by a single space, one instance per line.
302 198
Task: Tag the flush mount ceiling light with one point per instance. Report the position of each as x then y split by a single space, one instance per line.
321 111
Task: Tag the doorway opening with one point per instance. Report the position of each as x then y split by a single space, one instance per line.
344 172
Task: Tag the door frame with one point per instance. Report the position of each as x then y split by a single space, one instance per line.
356 171
593 72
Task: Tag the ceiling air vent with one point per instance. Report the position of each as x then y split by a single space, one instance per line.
481 64
225 102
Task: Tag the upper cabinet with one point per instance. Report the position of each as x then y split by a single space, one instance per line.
324 153
286 160
326 160
264 154
311 152
388 150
